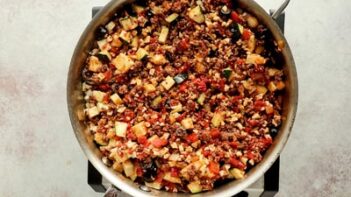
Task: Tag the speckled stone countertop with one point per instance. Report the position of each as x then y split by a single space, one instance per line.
39 155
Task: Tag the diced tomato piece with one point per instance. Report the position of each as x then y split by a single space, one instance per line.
142 140
234 144
235 17
267 142
259 105
184 68
159 177
138 170
215 133
171 186
248 129
108 75
131 135
183 87
192 138
236 163
200 85
206 153
174 172
257 77
246 34
159 142
104 87
181 117
213 167
250 155
183 44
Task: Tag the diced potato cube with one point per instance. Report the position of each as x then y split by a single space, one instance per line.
125 36
177 108
139 129
94 64
141 53
118 167
173 117
149 88
196 15
251 44
187 123
98 95
261 90
92 112
200 68
116 42
158 59
172 179
129 169
272 87
122 62
269 109
255 59
100 139
280 85
273 71
102 107
252 21
155 185
195 187
116 99
110 26
103 45
163 34
121 128
168 83
217 119
128 23
237 173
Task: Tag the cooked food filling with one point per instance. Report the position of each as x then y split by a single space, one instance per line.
183 95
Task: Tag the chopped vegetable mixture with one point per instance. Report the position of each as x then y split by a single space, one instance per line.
181 95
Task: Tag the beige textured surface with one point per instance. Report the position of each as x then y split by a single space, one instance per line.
39 155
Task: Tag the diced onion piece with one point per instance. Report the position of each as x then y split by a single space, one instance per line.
168 83
121 129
